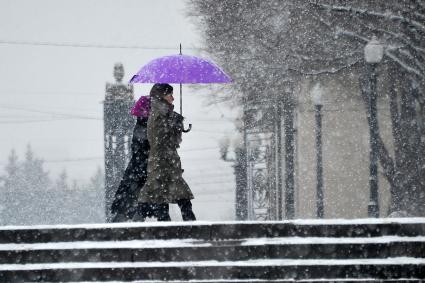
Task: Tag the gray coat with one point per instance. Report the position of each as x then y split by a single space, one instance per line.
165 183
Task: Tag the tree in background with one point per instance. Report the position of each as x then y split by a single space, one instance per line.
62 181
28 196
97 182
34 176
96 189
13 174
26 175
25 184
267 46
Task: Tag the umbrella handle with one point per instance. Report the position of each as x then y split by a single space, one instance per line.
188 129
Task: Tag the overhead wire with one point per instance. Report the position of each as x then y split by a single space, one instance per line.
90 45
209 183
74 116
56 114
34 121
101 157
49 93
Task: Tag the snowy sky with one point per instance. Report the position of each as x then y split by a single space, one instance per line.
50 96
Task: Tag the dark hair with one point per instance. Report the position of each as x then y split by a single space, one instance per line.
161 90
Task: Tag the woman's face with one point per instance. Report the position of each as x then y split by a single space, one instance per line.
169 98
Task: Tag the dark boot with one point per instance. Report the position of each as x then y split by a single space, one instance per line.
161 212
144 210
186 209
119 217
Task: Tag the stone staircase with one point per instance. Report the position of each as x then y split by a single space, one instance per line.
365 250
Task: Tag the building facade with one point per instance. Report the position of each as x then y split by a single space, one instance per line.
345 154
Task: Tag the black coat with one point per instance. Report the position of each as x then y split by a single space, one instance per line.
134 178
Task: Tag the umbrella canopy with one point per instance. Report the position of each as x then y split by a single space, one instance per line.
181 69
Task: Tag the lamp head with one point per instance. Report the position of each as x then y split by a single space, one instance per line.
317 94
373 51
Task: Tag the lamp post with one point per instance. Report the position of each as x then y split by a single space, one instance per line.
318 103
279 173
289 133
373 53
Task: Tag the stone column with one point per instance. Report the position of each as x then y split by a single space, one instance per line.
118 126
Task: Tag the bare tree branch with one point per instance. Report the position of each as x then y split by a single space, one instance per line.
388 16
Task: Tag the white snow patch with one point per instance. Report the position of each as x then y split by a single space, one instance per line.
133 244
329 240
212 263
176 243
366 221
261 280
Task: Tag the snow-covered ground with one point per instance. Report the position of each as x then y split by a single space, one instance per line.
271 281
304 242
413 220
256 262
180 243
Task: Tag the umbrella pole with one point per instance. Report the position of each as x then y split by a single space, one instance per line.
181 111
181 100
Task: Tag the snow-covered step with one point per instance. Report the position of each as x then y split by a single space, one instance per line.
394 268
309 250
197 250
203 230
345 280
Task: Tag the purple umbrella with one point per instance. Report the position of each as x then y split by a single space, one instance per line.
180 69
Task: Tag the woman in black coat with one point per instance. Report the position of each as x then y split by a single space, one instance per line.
125 203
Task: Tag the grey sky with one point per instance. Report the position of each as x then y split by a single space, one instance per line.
50 96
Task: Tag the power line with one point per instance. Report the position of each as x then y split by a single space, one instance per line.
218 172
90 45
34 121
101 157
215 201
73 160
213 183
222 175
200 149
57 115
63 116
47 93
210 180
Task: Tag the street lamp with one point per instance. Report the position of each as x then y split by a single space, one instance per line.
317 94
373 53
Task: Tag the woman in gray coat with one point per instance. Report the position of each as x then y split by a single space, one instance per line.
165 183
